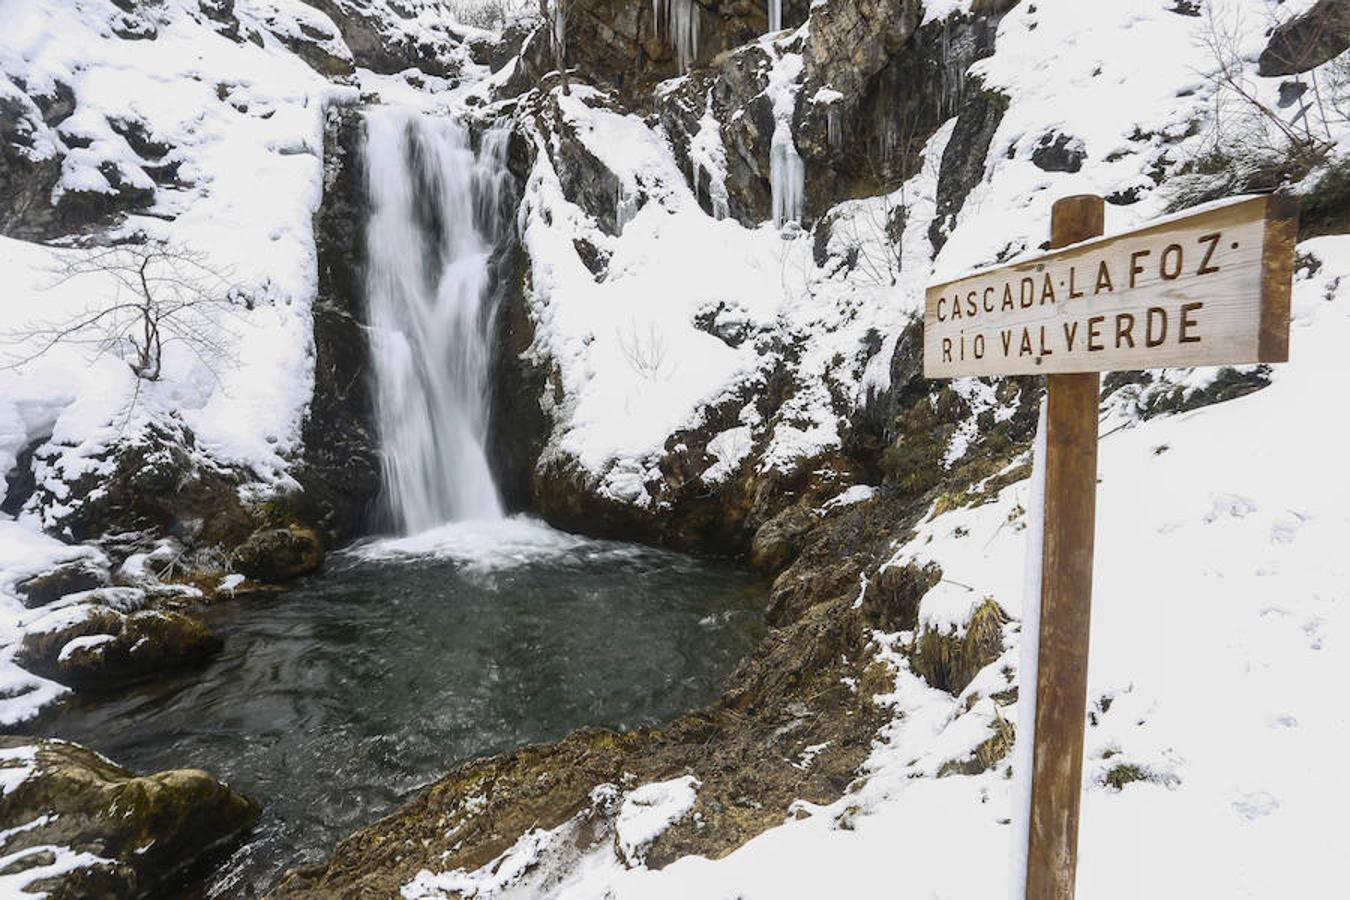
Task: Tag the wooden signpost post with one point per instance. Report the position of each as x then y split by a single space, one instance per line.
1207 288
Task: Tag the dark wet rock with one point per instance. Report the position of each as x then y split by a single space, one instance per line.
319 44
518 423
1308 40
733 87
35 134
221 12
279 554
881 123
1059 153
138 832
68 578
618 44
852 40
20 482
963 160
339 466
586 181
95 647
27 173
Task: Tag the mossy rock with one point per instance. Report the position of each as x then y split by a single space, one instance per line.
778 541
279 554
104 648
142 829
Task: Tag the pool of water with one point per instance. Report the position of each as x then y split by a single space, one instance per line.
334 702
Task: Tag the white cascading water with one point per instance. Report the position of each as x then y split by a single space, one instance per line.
432 226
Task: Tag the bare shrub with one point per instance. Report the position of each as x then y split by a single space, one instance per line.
1250 144
645 351
165 294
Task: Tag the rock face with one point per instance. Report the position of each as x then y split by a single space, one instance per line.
80 827
626 46
339 471
36 134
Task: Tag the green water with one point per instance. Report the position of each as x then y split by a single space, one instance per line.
334 702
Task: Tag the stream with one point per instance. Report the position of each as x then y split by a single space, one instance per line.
334 702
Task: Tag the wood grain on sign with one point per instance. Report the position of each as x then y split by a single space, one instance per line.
1205 289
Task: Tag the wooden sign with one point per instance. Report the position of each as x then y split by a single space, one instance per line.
1202 289
1205 288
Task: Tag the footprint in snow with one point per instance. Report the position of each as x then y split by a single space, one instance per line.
1232 506
1256 805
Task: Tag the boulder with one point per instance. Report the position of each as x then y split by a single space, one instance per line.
68 578
156 480
779 540
279 554
83 827
1059 153
92 646
1305 42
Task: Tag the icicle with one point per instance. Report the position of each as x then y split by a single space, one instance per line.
775 16
787 176
832 129
682 26
787 172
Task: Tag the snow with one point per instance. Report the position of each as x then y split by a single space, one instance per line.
859 493
708 157
245 127
84 642
648 811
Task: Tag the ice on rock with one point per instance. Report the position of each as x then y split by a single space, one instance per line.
708 155
787 172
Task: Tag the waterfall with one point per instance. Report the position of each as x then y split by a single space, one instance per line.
434 219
